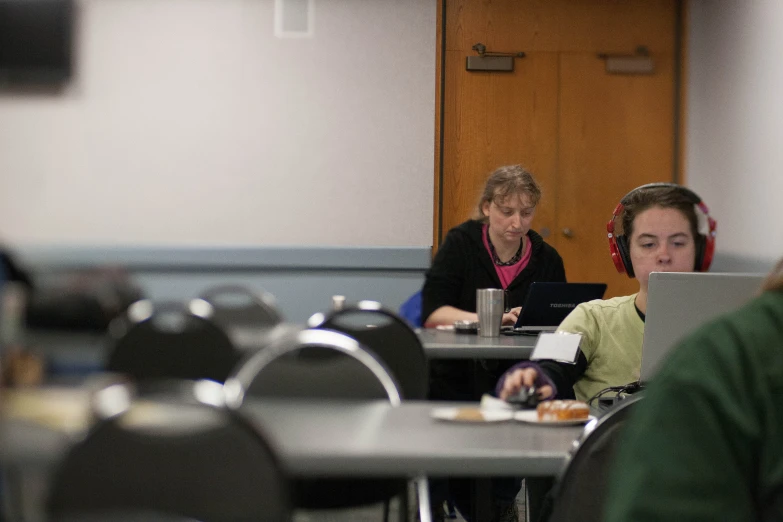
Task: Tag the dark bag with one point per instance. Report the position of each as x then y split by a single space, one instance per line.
88 301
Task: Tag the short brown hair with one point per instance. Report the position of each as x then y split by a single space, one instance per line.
508 180
663 196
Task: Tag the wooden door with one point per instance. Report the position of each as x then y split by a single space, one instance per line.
498 119
588 136
614 136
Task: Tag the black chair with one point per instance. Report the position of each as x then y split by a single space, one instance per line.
388 336
169 455
169 340
319 364
580 491
236 304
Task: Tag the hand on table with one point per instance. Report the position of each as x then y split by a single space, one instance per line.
524 377
510 317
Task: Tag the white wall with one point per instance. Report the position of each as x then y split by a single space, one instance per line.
189 123
735 121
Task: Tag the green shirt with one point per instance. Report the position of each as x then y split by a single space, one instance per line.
706 443
612 335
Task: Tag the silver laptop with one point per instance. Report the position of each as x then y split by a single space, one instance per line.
679 302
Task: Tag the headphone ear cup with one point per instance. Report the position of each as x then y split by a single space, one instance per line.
625 254
701 243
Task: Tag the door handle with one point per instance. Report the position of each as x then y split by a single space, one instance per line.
567 232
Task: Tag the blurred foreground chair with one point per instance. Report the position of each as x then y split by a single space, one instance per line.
169 455
321 364
169 340
580 491
388 337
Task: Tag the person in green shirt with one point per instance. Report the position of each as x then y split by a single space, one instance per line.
706 443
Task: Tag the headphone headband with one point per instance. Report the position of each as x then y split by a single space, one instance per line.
618 244
688 193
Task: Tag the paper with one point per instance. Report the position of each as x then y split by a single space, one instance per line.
559 346
488 402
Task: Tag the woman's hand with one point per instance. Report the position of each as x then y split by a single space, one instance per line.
524 377
510 317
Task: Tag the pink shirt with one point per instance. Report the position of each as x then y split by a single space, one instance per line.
506 274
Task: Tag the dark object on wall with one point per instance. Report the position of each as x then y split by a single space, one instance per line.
36 41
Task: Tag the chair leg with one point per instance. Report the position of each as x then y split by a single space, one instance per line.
385 511
402 512
12 491
423 493
451 511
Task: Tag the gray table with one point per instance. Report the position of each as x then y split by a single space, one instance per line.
375 439
318 439
349 438
447 344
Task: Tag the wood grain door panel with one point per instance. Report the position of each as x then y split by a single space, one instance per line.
609 26
616 133
495 119
588 136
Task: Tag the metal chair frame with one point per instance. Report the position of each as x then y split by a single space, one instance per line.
237 386
597 432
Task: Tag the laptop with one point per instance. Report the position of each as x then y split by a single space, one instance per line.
679 302
547 304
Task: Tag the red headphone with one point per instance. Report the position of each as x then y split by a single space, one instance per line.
705 243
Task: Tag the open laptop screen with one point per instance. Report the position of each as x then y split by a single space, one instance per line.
679 302
547 304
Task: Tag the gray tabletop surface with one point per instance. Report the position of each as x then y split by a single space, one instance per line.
447 344
376 439
352 439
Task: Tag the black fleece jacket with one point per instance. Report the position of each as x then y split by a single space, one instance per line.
463 265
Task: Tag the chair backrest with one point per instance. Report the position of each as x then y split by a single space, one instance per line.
170 340
388 336
313 364
126 515
321 364
581 489
171 455
236 305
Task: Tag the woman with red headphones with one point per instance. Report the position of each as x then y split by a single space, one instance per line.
660 227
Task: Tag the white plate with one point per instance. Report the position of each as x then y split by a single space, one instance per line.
453 414
532 417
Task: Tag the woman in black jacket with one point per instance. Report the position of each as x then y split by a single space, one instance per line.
496 250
